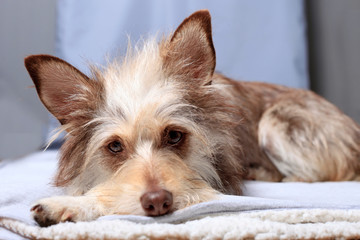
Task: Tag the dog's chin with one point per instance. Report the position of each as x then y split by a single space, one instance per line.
205 195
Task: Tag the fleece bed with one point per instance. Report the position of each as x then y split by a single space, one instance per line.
328 210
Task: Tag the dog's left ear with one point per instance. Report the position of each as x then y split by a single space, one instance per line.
190 53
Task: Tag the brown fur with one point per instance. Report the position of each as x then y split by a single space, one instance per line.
230 130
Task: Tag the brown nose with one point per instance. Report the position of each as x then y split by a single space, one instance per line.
156 203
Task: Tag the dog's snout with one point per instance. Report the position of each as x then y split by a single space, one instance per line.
156 203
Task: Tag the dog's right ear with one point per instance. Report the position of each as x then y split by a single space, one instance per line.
65 91
190 52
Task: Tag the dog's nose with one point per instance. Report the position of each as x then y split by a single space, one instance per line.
156 203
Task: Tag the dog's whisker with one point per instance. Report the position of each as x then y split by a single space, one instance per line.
195 179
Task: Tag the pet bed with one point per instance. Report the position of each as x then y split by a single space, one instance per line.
268 211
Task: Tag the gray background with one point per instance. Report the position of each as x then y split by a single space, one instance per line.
28 27
334 50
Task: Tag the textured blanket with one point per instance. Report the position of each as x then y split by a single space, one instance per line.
268 211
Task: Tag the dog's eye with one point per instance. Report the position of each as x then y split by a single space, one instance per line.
115 147
174 137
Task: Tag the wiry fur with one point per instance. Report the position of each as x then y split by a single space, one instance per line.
230 130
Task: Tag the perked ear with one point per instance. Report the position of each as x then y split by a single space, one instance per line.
66 92
190 51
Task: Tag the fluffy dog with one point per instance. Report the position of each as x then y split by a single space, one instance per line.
158 130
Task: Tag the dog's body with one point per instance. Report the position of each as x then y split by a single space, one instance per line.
161 131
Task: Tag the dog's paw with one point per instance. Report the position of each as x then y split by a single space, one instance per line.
54 210
45 216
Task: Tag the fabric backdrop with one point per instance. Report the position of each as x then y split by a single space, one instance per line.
255 40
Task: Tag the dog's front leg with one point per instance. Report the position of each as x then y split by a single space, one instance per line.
53 210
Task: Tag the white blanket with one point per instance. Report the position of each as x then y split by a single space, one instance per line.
269 210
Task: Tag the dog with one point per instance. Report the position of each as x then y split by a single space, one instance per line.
159 130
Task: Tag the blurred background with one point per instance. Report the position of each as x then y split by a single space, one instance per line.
306 44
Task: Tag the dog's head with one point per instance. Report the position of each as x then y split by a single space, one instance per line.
151 129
